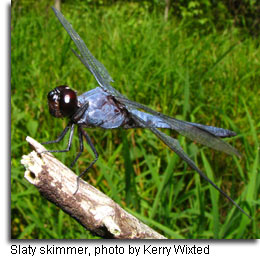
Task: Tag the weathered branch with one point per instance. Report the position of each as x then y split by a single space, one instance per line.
90 207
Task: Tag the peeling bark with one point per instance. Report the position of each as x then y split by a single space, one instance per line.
90 207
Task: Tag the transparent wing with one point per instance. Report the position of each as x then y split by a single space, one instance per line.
93 65
203 134
206 135
174 145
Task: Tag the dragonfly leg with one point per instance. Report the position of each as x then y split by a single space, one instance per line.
81 147
60 137
64 132
76 117
86 136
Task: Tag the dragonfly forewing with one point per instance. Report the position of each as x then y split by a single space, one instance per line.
93 65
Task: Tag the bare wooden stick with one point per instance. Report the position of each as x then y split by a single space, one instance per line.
90 207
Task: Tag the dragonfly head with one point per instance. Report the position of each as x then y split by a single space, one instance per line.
62 101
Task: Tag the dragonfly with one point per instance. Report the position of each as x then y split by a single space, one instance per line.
107 108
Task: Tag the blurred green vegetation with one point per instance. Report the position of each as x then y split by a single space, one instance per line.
205 76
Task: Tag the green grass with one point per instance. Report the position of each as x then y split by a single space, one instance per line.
210 79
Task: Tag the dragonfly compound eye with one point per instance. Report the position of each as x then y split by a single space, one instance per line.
68 102
62 102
